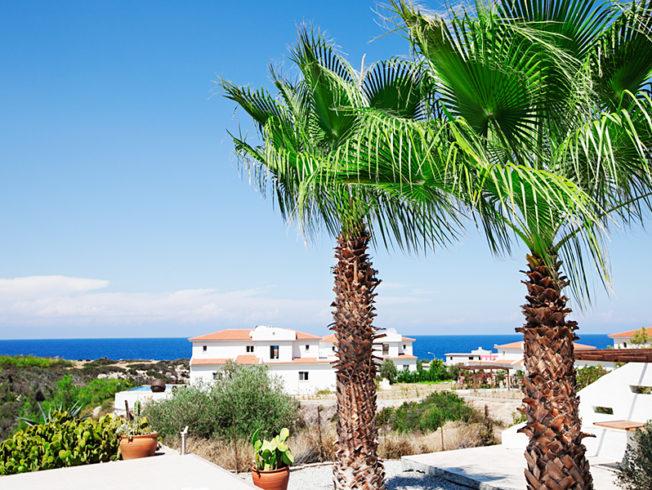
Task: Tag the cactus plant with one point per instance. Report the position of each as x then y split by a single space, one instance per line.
272 454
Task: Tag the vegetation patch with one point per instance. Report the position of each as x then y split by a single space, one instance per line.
427 415
245 399
64 441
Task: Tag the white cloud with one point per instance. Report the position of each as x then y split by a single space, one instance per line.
61 300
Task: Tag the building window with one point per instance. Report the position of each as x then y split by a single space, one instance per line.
250 348
303 375
404 346
205 348
273 351
307 347
385 349
333 348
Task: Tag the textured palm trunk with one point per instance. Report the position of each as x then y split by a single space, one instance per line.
555 454
356 463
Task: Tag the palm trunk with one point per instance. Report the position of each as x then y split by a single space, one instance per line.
356 464
555 454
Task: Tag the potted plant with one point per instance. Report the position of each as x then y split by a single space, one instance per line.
136 438
271 461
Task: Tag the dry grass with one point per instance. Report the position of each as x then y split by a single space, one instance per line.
306 446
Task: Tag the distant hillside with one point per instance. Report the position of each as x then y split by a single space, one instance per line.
34 379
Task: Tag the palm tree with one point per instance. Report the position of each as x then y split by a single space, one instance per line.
301 128
560 87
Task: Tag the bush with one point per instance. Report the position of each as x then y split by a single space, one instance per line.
436 372
388 370
31 361
68 394
98 390
252 400
244 396
589 374
190 406
635 472
62 442
427 415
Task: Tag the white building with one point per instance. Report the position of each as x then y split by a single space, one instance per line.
478 354
508 355
302 360
623 340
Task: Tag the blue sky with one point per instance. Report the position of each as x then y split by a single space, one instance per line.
123 212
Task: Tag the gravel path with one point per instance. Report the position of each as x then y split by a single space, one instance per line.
320 478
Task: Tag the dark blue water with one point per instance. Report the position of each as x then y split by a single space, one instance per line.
425 347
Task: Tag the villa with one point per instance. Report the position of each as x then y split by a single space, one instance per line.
623 340
302 360
509 356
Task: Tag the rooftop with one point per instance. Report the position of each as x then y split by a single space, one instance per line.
630 333
519 345
245 334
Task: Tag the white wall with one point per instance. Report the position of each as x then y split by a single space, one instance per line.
612 390
219 349
320 377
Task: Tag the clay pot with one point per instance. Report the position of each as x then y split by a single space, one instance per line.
157 386
138 446
271 480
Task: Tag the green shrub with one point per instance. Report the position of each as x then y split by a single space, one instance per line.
428 414
98 390
253 400
244 396
62 442
436 372
635 472
388 370
589 374
31 361
192 406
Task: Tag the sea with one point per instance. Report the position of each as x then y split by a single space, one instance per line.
425 346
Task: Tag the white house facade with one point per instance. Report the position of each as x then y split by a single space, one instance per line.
303 361
623 340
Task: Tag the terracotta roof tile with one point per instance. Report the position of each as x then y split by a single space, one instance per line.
519 345
307 336
208 362
231 334
247 359
630 333
408 339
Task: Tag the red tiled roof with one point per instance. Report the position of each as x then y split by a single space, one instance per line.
243 334
400 356
630 333
208 362
519 345
408 339
247 359
231 334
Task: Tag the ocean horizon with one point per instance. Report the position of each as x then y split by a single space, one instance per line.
170 348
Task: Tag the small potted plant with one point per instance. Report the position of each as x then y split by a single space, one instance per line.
272 460
136 438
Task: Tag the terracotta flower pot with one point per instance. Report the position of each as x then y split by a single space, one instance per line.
138 446
271 480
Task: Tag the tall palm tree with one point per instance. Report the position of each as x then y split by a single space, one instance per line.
560 86
300 129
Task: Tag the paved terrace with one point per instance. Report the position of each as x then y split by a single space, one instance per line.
493 468
167 470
